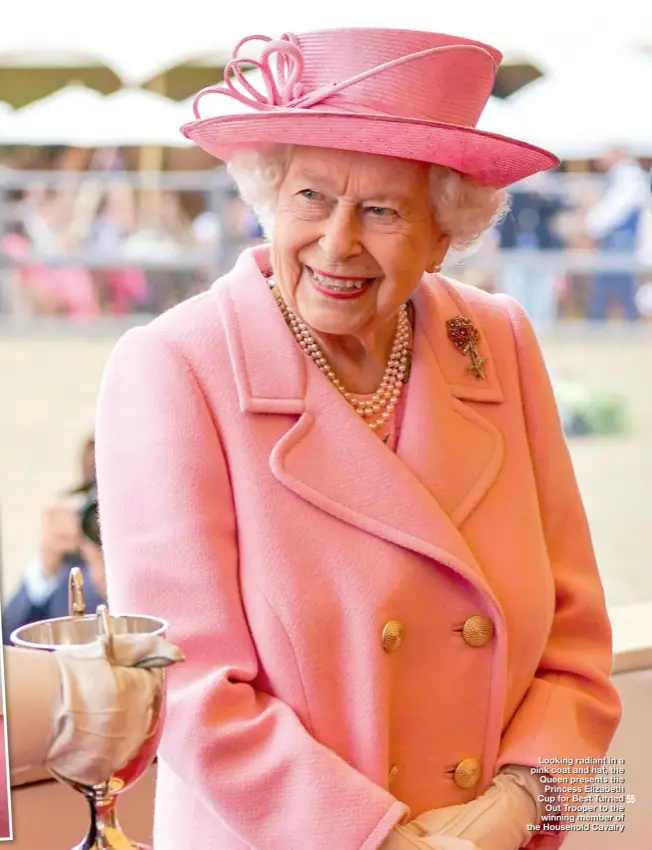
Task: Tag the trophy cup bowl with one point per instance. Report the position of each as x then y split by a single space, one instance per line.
75 630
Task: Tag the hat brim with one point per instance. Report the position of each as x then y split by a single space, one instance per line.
491 159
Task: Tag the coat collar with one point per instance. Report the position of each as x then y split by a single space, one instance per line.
277 384
448 454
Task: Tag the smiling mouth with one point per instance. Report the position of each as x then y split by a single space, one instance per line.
346 285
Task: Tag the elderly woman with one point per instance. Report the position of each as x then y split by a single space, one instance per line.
342 479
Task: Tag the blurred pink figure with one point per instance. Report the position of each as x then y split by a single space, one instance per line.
127 289
66 290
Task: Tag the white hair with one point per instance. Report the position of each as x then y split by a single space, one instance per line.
463 208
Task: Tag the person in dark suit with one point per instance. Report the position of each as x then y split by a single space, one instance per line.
614 225
27 607
530 226
43 592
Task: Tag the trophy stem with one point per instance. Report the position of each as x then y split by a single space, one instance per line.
104 832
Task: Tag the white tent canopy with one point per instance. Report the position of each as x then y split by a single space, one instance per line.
81 117
140 40
139 117
577 110
580 109
58 119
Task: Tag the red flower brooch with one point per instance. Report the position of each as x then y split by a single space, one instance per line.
465 337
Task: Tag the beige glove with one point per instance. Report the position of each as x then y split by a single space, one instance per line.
411 837
497 820
105 707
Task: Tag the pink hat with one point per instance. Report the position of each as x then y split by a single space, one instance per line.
401 93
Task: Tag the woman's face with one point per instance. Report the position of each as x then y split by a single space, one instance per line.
353 235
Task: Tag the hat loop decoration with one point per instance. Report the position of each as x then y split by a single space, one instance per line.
282 87
289 69
465 337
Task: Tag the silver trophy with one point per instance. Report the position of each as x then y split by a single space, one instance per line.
104 832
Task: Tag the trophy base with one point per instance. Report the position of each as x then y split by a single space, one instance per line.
118 842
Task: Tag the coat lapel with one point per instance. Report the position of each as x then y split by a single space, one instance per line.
454 451
447 458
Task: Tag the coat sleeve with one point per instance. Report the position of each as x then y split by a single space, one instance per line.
169 533
571 709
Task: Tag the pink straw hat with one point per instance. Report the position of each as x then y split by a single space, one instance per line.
401 93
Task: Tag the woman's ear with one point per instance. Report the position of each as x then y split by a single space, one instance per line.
438 254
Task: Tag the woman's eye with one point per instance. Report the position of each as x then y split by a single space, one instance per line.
383 212
310 195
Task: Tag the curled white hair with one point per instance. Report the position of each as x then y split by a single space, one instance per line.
463 208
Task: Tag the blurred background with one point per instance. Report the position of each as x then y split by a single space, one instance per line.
108 217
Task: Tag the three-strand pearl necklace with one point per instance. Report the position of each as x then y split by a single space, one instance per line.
378 409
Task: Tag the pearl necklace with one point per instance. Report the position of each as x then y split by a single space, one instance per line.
396 375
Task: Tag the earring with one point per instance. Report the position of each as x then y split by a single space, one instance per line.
435 269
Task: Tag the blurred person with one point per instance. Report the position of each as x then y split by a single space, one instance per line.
69 290
530 226
103 214
644 301
241 225
341 477
207 231
39 215
122 290
481 272
173 219
43 592
167 235
614 225
31 289
208 235
169 230
645 232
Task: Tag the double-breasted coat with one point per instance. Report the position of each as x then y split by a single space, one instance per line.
368 634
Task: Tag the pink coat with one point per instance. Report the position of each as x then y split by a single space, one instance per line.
245 502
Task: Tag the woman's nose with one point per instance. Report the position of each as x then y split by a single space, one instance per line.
341 238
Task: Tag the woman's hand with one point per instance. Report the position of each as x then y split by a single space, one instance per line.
497 820
105 707
411 837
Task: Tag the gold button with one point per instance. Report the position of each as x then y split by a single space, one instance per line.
478 630
467 773
392 637
391 776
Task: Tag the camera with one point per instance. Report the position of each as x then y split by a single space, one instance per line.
89 516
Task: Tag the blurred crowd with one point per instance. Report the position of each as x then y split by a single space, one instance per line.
606 215
171 244
168 244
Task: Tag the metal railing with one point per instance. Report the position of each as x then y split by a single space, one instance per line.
216 187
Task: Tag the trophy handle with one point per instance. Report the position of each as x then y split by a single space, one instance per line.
105 631
76 604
